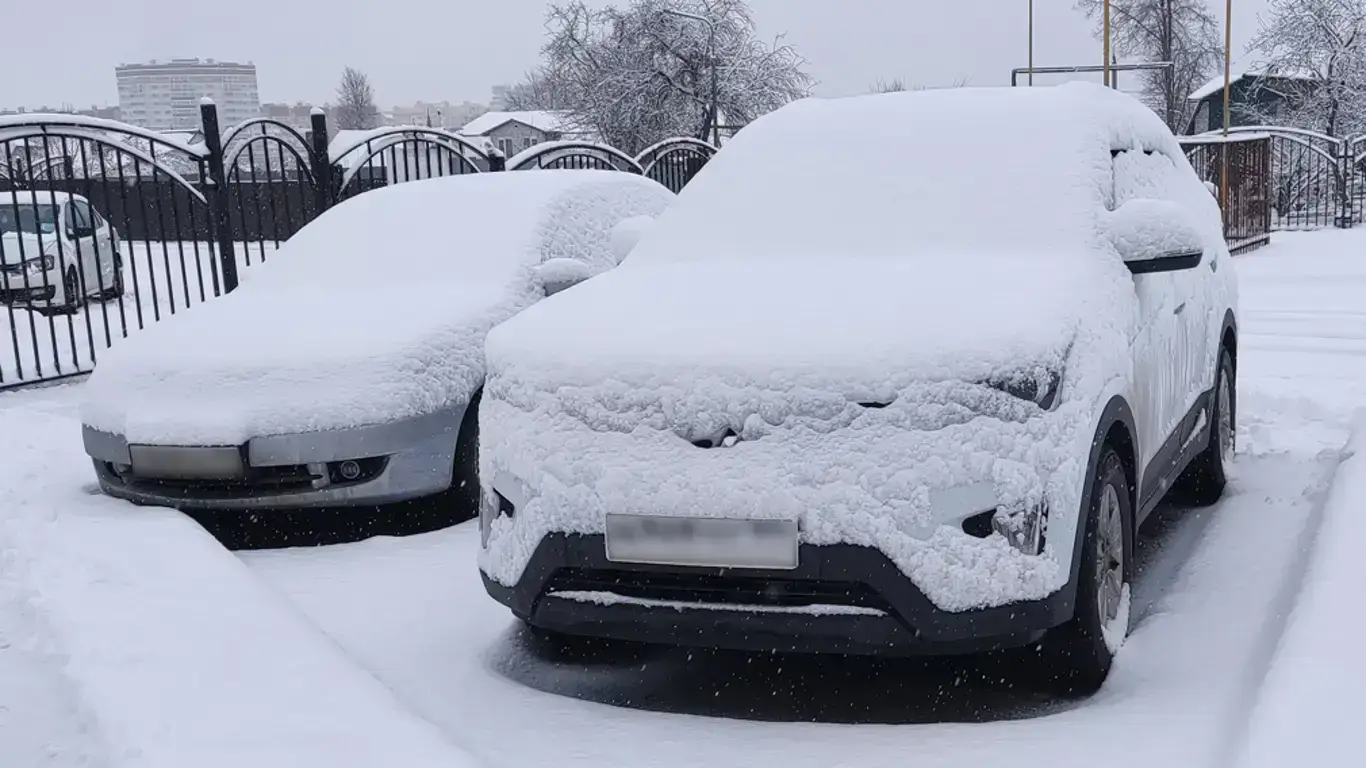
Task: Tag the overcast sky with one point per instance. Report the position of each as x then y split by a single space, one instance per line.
436 50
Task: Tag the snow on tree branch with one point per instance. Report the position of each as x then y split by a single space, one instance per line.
1314 55
660 68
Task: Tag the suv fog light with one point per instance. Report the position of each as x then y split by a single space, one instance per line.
1022 526
491 505
349 470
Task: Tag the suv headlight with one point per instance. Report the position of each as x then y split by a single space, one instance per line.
1039 386
1022 525
39 265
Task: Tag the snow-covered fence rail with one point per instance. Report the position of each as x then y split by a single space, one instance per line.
1313 180
1247 208
172 222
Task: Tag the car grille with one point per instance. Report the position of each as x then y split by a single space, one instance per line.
258 480
705 588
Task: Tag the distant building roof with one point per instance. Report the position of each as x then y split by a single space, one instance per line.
549 122
1238 73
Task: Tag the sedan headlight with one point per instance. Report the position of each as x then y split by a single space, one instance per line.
40 265
1039 386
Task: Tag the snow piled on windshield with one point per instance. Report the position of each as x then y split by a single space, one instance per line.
845 329
962 169
376 311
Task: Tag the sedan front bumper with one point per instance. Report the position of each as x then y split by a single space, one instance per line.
397 461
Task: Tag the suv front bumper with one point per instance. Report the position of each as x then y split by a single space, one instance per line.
840 599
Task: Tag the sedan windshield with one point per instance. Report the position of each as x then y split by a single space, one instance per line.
21 217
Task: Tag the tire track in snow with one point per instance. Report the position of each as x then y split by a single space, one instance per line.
1273 629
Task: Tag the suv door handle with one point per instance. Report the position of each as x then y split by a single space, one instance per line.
1179 308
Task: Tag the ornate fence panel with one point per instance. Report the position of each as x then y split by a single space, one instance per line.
393 155
270 185
674 162
1311 177
106 227
581 155
1248 209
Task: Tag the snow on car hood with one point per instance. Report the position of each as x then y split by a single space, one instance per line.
374 312
861 329
848 398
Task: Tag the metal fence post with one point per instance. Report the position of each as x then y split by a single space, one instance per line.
322 163
218 194
1348 218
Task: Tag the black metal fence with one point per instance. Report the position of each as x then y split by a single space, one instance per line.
1312 180
106 227
1247 209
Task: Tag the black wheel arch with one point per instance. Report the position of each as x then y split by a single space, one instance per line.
1114 428
1228 336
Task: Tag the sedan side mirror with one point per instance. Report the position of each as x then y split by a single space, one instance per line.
1155 236
627 233
555 275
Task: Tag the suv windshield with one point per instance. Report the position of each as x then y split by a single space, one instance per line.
21 217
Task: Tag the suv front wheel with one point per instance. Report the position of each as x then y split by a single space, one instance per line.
1081 651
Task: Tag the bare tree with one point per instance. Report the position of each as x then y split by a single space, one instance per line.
897 85
1314 56
660 68
1183 32
355 108
535 92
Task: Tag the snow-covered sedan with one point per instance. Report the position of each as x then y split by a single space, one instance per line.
915 403
56 251
347 370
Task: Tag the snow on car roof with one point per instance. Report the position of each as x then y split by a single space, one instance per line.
36 197
966 168
375 311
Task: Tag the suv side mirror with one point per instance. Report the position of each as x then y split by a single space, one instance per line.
1155 236
556 275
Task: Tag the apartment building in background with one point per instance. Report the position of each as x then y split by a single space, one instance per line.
164 96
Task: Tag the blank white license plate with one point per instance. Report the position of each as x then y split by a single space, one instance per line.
175 462
704 542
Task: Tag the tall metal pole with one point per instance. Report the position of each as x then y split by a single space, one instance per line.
1228 79
1031 42
715 90
1106 35
1169 55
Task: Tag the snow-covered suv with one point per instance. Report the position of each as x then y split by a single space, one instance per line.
913 401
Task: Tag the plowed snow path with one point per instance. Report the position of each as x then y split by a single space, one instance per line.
1214 588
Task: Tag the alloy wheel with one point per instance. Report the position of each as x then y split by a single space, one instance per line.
1109 556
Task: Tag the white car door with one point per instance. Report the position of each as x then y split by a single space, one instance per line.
105 257
1166 350
87 248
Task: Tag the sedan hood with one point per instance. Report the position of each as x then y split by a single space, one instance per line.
862 329
16 247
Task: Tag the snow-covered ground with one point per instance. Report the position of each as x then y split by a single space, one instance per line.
128 638
170 277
